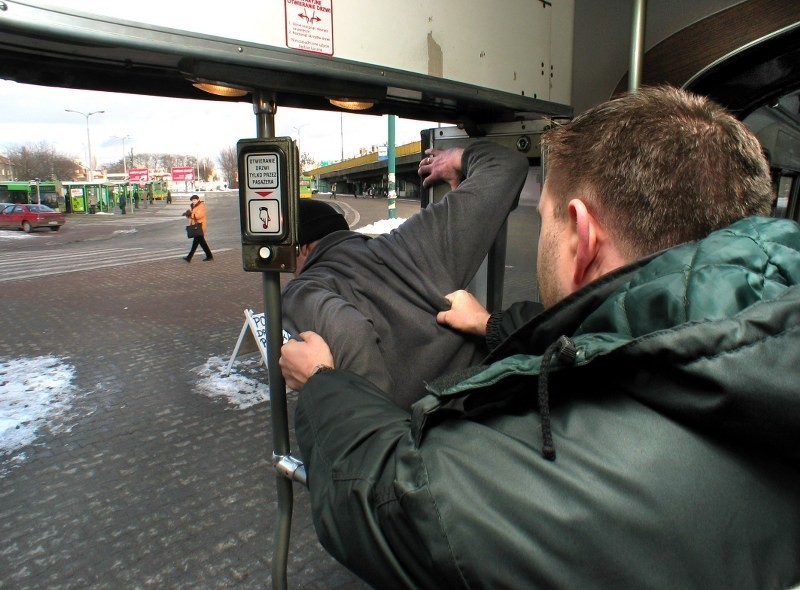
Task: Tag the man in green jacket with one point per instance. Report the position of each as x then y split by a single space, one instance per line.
641 432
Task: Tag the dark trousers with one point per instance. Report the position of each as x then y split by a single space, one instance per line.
201 241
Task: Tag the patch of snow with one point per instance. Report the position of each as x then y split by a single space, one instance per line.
38 392
380 227
34 392
10 234
246 385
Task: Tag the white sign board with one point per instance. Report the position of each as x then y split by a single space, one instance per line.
518 46
263 194
309 25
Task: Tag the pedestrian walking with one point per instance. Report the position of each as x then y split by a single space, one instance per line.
197 215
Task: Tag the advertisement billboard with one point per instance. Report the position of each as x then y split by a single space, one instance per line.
182 173
139 175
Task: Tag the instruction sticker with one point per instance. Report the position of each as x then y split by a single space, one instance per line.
309 25
264 190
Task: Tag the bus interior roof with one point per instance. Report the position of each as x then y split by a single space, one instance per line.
750 62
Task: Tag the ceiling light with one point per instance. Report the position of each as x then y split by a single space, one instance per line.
219 89
351 104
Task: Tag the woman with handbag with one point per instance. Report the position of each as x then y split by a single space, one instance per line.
197 228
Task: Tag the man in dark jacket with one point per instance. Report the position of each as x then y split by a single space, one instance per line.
641 432
375 300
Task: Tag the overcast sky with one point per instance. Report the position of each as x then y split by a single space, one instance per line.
32 114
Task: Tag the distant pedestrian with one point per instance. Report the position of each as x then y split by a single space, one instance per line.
197 214
333 190
169 197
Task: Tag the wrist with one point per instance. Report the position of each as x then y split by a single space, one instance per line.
320 369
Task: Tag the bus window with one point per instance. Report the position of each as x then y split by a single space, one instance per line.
785 188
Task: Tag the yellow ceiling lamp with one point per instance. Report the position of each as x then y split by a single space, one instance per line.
351 104
220 89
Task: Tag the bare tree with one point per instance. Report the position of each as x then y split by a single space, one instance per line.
205 169
228 164
307 162
42 161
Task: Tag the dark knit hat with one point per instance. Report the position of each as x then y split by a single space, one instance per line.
316 220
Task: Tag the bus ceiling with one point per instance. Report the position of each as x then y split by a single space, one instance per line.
53 47
744 57
551 58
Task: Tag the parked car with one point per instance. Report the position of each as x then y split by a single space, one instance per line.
4 205
29 217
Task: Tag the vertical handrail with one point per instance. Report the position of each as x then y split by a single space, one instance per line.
264 109
637 45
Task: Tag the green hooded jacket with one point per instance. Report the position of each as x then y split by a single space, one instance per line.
671 416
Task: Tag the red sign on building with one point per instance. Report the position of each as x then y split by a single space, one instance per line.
182 173
139 175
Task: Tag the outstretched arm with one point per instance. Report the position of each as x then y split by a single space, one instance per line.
447 241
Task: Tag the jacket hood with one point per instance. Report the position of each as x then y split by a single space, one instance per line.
711 334
707 333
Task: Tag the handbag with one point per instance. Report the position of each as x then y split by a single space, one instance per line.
194 230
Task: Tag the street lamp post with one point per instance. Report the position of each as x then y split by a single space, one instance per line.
298 128
124 162
90 176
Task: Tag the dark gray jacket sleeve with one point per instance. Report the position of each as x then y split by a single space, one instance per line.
448 240
351 336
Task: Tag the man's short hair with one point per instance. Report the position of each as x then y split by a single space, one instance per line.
658 167
317 219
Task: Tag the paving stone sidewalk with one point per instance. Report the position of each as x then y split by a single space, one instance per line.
146 483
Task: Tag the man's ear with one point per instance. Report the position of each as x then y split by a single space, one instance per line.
587 243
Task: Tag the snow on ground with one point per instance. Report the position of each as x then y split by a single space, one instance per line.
34 392
13 234
381 227
37 392
245 386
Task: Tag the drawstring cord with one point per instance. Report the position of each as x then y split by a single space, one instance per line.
564 350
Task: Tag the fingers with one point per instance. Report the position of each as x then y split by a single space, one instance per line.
426 164
452 296
299 358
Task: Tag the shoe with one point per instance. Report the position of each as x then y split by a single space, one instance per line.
208 258
187 259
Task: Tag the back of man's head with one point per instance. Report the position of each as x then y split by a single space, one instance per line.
317 219
658 167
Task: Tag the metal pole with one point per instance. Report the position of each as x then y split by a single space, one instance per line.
390 155
124 163
90 175
264 108
637 45
341 133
